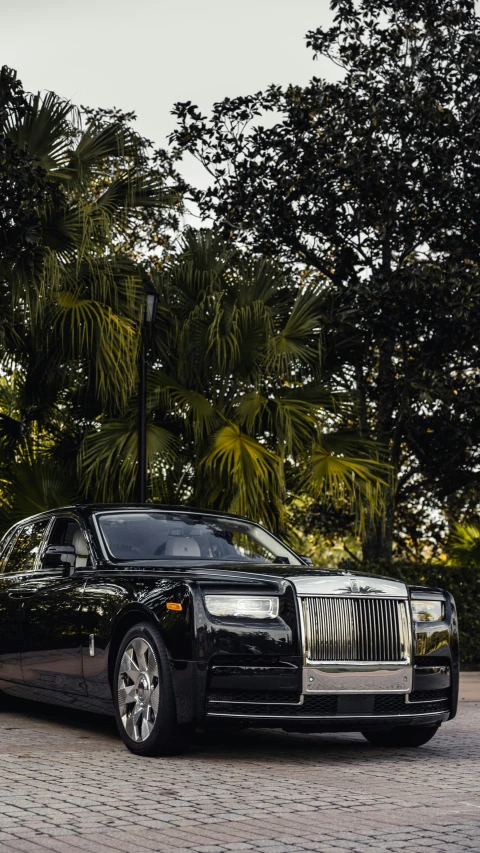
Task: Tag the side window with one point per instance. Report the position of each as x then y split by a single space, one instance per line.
63 531
21 556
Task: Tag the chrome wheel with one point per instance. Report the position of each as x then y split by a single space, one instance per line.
138 689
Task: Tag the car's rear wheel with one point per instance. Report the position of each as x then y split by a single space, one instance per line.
401 736
143 695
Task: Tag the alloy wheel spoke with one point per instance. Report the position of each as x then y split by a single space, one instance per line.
130 728
126 695
141 650
146 729
155 698
137 713
128 663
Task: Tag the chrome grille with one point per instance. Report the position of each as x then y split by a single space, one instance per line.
355 629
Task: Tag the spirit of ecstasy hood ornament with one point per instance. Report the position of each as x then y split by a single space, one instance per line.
356 588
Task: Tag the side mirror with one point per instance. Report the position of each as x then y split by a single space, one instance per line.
59 556
307 560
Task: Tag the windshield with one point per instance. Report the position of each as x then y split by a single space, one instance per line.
138 535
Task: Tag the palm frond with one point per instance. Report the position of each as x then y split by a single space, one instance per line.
37 485
171 394
298 340
244 470
89 329
46 131
463 544
109 457
361 481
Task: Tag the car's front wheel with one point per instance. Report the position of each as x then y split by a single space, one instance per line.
143 695
401 736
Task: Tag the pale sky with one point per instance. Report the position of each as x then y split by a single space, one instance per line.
143 55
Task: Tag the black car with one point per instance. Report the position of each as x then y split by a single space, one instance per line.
173 618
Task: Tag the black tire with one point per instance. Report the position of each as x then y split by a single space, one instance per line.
166 736
402 736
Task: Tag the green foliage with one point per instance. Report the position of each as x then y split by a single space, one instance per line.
370 183
25 188
463 546
74 190
81 287
35 486
236 394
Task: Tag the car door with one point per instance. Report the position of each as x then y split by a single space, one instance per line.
17 563
51 652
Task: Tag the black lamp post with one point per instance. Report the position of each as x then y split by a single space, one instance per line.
147 318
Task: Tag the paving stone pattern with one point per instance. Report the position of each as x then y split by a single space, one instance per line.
68 785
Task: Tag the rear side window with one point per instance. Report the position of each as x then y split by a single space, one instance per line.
63 531
21 555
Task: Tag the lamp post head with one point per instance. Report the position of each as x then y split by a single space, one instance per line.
151 300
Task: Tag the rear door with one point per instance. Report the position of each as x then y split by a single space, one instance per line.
52 654
17 563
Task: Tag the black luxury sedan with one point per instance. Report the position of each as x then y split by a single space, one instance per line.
172 618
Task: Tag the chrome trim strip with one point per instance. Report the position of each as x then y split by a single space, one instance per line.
251 702
338 717
422 701
431 670
351 665
284 668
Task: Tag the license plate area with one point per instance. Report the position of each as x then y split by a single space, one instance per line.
351 678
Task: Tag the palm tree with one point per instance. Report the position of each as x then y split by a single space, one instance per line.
81 287
70 304
239 415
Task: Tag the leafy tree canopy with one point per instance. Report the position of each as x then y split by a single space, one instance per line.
371 183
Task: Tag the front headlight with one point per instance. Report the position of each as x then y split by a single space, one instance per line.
428 611
252 607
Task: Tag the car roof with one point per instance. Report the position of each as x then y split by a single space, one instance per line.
90 508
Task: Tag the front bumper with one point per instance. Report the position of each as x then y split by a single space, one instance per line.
298 686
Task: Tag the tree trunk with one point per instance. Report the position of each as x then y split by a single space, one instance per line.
378 537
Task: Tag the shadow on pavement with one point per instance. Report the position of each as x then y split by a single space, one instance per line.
72 717
266 744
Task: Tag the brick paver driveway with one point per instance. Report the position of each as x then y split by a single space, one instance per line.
68 784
